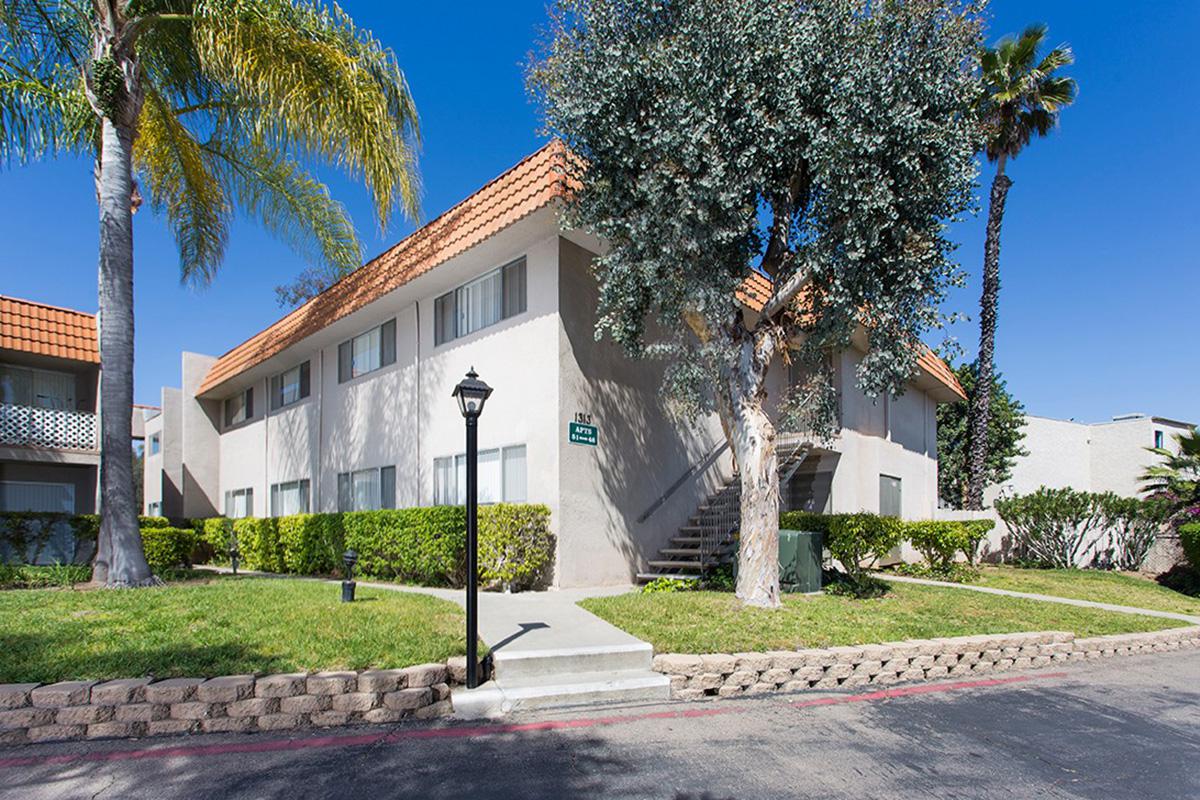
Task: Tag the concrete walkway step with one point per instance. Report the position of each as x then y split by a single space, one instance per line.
497 698
517 665
646 577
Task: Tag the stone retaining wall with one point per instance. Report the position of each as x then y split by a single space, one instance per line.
31 712
719 674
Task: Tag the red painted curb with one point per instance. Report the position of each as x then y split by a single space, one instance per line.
469 731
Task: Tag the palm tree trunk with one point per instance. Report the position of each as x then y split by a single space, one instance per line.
985 378
752 439
120 560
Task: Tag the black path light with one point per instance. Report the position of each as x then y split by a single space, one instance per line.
233 549
349 558
472 393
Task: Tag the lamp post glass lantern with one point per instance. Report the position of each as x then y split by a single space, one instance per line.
471 394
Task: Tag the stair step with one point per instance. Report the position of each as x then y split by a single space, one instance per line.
674 564
521 664
499 697
681 551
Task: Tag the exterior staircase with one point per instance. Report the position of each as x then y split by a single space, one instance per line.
709 539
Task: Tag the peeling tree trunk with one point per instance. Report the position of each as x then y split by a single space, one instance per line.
980 412
752 438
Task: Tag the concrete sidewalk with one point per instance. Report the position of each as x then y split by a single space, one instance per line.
1067 601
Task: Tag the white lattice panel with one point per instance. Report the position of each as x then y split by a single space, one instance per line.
26 426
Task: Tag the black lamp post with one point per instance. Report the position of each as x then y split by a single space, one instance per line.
233 552
349 558
472 393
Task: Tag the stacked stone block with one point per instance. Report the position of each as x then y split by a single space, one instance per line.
30 712
725 675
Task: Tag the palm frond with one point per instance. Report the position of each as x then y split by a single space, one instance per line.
181 184
318 85
289 203
41 115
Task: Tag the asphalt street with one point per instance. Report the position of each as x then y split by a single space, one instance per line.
1116 728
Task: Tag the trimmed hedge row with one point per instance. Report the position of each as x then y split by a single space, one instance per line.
410 545
856 538
1189 539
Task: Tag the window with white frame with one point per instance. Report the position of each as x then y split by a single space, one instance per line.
240 407
289 498
37 496
239 503
367 489
501 478
154 509
367 352
155 443
290 387
498 295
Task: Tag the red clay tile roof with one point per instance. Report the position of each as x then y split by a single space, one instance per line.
755 291
30 327
531 184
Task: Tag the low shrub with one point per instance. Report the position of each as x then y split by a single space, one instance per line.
1051 527
1132 525
859 586
412 545
258 543
721 578
668 586
151 522
956 572
805 521
516 548
941 541
857 538
312 543
214 535
1189 539
1182 578
25 576
167 548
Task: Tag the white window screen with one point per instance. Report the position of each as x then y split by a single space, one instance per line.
480 303
289 390
445 485
239 503
514 474
34 496
366 351
289 498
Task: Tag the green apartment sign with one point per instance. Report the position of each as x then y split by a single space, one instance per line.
580 433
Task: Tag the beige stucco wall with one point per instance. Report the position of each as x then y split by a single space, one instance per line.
199 433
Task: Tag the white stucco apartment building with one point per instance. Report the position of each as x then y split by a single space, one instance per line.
1089 456
345 402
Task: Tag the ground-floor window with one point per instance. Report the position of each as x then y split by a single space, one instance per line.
889 496
37 496
367 489
239 503
154 509
289 498
502 477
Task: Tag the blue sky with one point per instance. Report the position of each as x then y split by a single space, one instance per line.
1099 262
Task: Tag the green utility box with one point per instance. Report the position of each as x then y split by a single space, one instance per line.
800 560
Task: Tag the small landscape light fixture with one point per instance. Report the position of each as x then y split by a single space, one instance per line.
471 394
349 558
233 551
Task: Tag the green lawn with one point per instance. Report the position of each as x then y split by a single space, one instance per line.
1103 587
219 627
714 622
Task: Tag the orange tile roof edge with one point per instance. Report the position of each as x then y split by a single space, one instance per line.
534 182
755 291
28 326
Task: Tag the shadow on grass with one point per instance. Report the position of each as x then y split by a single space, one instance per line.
46 658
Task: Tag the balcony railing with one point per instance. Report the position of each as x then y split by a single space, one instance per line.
49 428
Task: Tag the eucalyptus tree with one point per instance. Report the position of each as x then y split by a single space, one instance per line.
205 106
824 143
1022 98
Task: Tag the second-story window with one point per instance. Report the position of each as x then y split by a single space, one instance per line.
240 407
367 352
1158 440
39 388
290 387
155 443
498 295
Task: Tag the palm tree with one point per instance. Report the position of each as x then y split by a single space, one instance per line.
205 106
1022 98
1177 477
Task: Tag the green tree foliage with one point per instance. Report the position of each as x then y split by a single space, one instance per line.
824 143
1023 95
206 107
1005 422
1177 478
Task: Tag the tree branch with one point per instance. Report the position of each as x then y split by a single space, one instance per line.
785 292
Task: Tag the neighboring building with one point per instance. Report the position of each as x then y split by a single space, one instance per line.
345 403
1091 457
49 432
